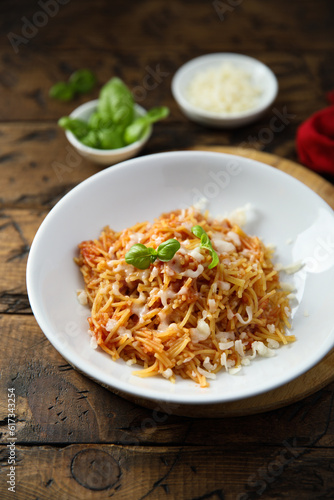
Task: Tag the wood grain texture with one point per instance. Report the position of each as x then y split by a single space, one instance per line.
17 229
149 75
57 405
37 172
100 472
179 24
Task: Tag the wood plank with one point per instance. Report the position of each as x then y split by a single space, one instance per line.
99 472
39 165
56 404
17 229
44 166
25 80
205 27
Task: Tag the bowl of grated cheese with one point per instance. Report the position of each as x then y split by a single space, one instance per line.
224 90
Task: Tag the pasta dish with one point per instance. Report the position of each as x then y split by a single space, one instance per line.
212 302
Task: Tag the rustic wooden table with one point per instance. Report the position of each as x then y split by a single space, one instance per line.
72 438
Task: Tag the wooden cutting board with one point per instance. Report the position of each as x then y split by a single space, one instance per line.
313 380
321 374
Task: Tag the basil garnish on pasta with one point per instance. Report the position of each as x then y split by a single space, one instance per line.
142 257
206 243
167 249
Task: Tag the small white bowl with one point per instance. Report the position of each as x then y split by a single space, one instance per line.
261 77
105 156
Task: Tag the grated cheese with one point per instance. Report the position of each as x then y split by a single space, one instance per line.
167 373
223 89
93 343
221 245
208 365
82 297
226 345
234 371
234 237
273 344
249 312
111 323
196 254
206 373
239 348
201 332
291 268
271 328
193 274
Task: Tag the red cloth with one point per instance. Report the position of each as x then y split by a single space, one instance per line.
315 139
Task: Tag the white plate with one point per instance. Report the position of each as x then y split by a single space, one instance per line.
261 77
286 213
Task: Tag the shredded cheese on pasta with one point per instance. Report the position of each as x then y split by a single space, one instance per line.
180 317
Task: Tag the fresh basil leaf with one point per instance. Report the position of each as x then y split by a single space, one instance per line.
96 121
198 231
140 126
206 243
136 130
156 114
78 127
91 140
168 249
140 256
82 81
116 102
62 91
215 259
114 124
110 138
